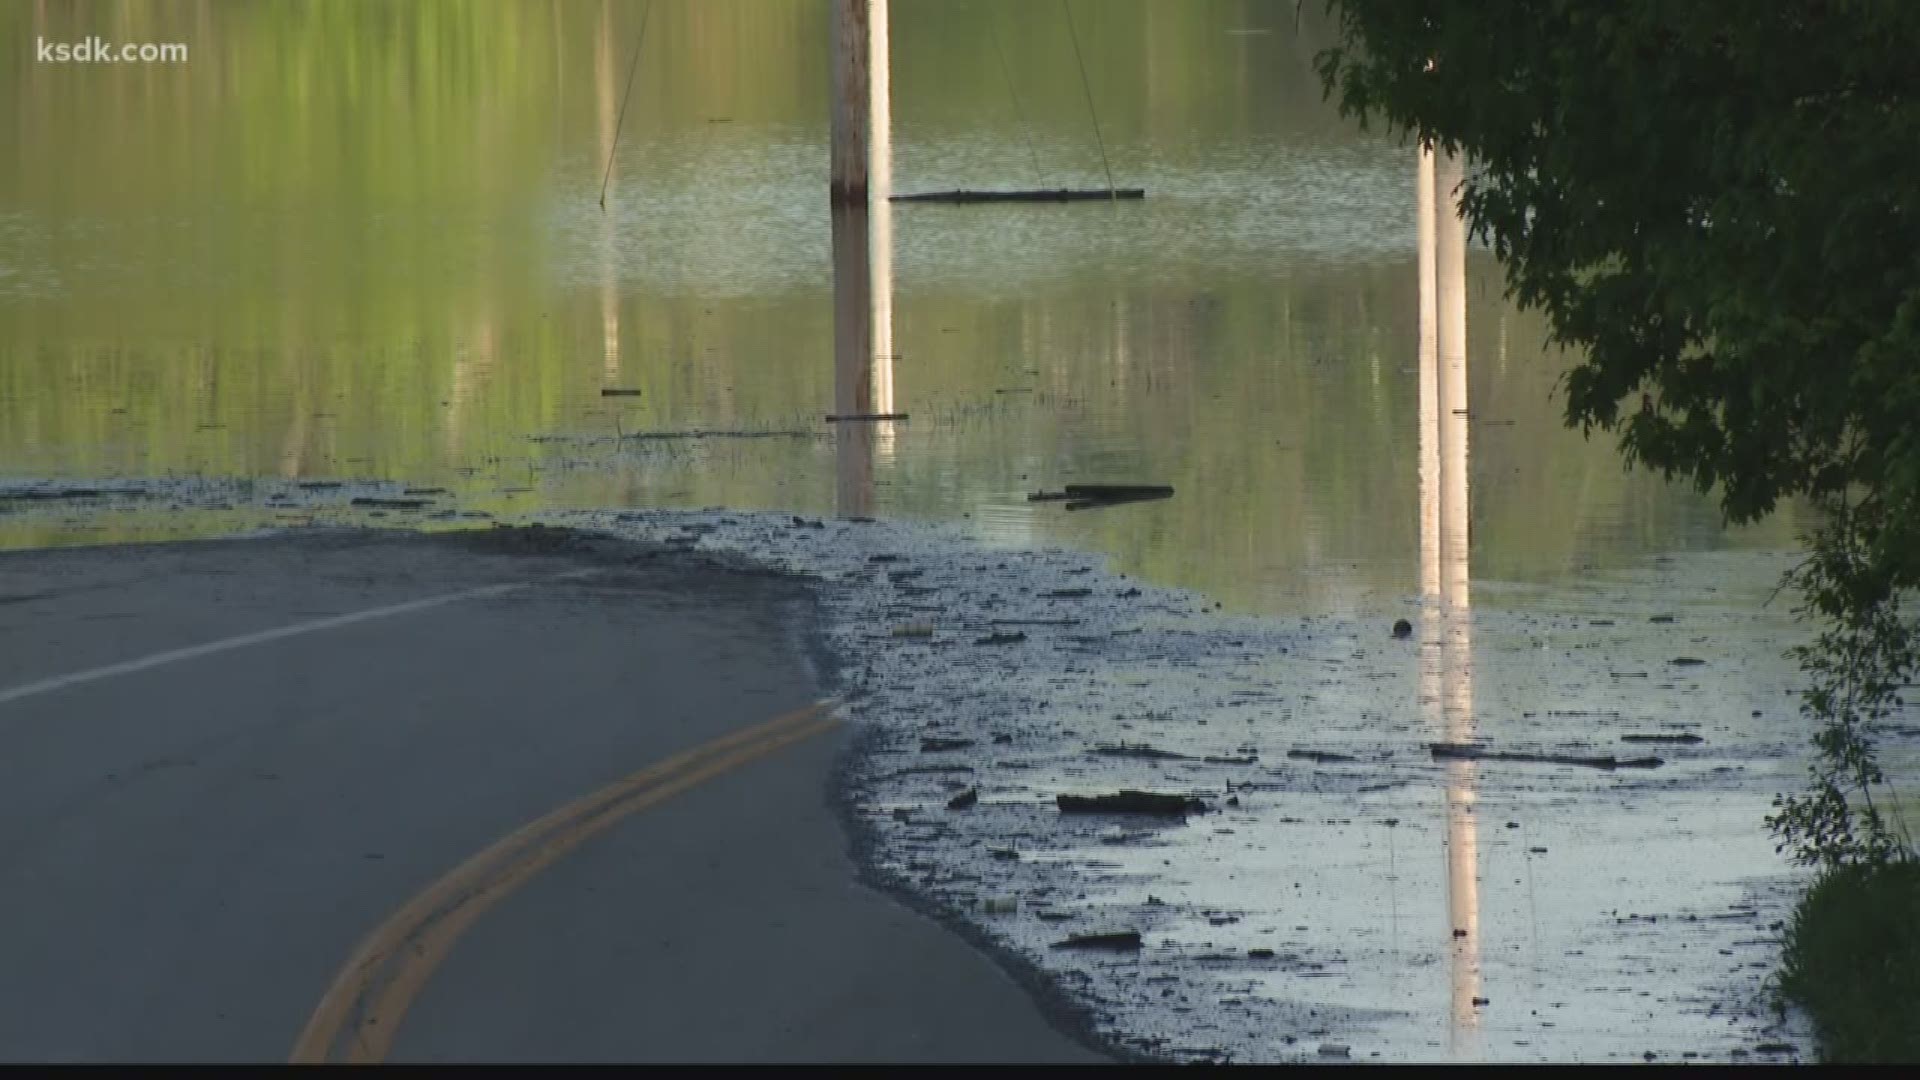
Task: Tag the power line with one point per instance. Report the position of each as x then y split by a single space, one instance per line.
1073 34
633 69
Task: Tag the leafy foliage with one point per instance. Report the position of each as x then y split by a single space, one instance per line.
1852 957
1714 202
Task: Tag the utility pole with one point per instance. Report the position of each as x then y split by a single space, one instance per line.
852 75
851 145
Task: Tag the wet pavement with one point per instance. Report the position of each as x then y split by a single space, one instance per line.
227 762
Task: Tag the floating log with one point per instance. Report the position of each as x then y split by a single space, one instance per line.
1133 750
1001 639
618 391
1098 504
391 504
1093 496
1686 738
1067 594
919 770
1475 753
1130 802
933 744
1118 491
853 417
1124 941
1318 757
1025 195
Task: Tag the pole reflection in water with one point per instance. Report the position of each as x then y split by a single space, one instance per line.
606 113
1445 581
880 177
863 300
853 384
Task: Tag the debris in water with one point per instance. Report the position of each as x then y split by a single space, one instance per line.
964 800
1685 737
933 744
1318 756
963 195
1130 802
922 770
1122 941
1139 750
1686 661
1119 491
618 391
849 418
1088 496
1094 504
1067 594
913 630
1001 639
390 504
1476 753
1402 628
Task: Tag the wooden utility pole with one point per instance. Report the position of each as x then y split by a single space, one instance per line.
852 48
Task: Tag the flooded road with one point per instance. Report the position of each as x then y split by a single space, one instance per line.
398 272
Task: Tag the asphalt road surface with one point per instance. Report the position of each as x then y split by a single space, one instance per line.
505 795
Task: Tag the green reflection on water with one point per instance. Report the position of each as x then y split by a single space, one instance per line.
362 240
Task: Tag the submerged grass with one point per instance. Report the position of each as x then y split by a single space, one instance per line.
1852 961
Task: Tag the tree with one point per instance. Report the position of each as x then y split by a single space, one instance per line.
1716 204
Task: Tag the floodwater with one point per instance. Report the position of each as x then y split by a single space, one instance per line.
365 243
361 241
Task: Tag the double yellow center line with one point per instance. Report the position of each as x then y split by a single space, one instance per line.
359 1016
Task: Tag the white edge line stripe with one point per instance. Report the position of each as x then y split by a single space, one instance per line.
171 656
